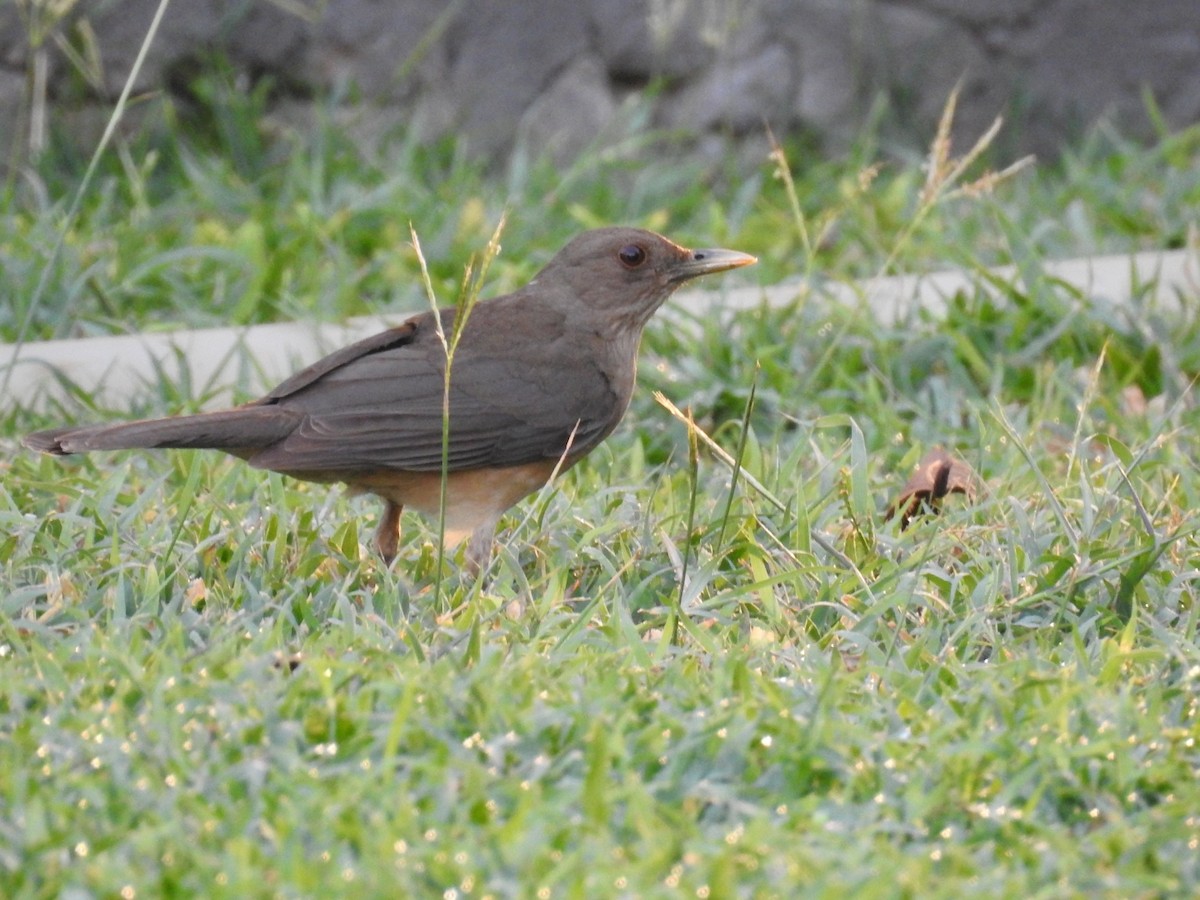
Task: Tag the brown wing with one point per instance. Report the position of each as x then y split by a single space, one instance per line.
376 343
378 405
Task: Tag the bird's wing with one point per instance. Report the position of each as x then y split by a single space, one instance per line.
379 405
393 338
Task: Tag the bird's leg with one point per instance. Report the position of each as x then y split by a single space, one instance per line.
387 535
479 547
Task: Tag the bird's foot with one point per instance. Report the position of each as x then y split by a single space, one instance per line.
387 535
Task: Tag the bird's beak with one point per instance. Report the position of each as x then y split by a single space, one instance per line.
706 262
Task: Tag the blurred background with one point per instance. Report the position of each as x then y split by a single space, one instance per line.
546 76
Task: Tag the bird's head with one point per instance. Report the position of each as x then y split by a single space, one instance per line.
622 275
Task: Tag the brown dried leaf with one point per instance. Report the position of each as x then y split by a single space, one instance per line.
937 475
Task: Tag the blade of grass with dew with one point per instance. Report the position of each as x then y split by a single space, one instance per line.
758 486
720 452
527 519
693 490
1047 489
737 469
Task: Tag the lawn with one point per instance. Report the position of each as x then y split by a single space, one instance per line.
677 678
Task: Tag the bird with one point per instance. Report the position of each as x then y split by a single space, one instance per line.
539 378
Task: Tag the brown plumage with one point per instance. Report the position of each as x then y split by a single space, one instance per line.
541 375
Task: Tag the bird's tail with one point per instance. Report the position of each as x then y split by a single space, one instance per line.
233 430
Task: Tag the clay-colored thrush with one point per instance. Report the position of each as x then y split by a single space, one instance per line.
539 378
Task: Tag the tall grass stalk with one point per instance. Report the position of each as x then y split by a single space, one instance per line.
84 183
473 278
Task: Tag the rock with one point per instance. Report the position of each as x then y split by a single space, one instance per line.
386 50
738 94
570 114
501 63
640 40
1079 60
553 74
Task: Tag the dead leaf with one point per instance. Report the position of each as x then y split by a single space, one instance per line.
937 475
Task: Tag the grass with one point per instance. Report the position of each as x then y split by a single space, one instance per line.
667 685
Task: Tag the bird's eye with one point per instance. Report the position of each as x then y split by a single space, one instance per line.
631 256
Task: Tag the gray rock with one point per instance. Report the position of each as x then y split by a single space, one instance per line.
503 56
737 94
640 40
386 50
571 113
553 74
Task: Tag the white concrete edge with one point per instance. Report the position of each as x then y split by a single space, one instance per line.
116 371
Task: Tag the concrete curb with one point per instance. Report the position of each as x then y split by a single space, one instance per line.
113 371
